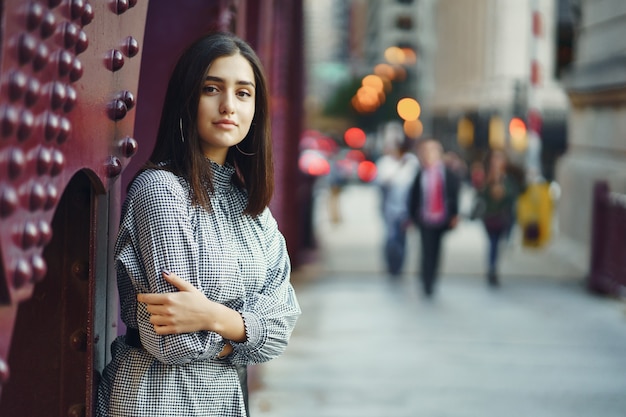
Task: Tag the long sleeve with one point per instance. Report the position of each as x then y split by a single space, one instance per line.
157 233
269 314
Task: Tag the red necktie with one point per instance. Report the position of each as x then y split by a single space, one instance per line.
436 197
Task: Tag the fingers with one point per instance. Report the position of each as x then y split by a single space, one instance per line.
177 281
163 298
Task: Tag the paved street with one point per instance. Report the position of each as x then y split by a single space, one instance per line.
538 346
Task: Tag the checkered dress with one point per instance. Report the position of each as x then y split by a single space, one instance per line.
235 259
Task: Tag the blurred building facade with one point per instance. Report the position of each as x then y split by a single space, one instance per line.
596 85
495 60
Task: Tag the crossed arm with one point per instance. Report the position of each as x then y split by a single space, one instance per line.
189 310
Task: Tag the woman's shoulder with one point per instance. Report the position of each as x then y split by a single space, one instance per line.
151 182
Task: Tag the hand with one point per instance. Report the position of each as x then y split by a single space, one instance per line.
185 311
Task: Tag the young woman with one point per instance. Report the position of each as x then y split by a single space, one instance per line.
203 271
499 195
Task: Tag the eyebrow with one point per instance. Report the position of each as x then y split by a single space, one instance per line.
221 80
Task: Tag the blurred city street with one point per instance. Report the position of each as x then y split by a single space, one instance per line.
540 345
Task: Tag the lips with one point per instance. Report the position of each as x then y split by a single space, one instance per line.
225 122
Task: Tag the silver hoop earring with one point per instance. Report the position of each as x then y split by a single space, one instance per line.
244 153
180 125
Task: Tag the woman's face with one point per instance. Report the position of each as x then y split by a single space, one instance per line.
226 106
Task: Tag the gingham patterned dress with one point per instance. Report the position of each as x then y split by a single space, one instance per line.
235 259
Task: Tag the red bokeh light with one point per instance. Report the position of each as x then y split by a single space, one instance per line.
313 163
367 171
355 137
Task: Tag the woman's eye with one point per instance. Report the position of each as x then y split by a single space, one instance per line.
209 89
244 93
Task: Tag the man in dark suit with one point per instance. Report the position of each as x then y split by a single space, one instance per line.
434 208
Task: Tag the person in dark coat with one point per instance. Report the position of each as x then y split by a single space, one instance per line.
433 207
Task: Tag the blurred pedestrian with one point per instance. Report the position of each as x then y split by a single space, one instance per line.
396 171
337 180
202 268
434 208
497 198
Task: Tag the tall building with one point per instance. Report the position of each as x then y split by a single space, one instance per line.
327 46
596 85
494 61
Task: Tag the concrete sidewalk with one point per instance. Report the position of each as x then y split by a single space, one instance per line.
355 244
538 346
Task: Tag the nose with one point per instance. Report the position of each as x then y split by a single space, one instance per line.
227 104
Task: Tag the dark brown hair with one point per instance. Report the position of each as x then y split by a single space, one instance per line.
254 173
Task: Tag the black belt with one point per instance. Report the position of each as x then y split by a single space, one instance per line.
132 338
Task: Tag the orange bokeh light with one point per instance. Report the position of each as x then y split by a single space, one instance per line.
413 128
408 109
517 128
373 81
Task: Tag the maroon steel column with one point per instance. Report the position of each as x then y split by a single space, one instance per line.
68 85
274 28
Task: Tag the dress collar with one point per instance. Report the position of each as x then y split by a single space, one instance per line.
222 176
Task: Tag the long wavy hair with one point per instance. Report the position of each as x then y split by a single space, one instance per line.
184 157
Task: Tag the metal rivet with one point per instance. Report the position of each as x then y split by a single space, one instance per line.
26 124
9 120
52 126
32 92
26 47
80 270
17 85
45 233
16 163
22 274
8 201
57 94
44 160
76 8
39 267
48 25
77 410
114 60
82 42
128 98
58 163
36 197
64 62
121 6
131 47
78 340
64 132
70 100
34 16
41 57
52 196
132 3
28 236
70 34
128 147
77 70
87 16
117 109
4 372
113 167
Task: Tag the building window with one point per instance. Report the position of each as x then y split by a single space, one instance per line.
404 22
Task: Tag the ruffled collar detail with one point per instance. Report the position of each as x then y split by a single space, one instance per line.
222 176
